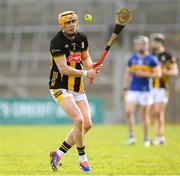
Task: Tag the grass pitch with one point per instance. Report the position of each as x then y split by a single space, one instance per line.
25 150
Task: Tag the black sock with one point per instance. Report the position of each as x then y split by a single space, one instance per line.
81 150
65 147
131 134
146 138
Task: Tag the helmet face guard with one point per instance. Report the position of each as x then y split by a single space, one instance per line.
66 16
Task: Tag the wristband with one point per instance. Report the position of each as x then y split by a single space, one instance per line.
85 73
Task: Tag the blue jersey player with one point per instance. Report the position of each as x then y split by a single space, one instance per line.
142 66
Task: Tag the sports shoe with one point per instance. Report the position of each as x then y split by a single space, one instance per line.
84 166
162 140
156 140
131 141
147 143
54 160
159 140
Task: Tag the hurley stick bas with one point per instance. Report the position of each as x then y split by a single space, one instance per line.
123 17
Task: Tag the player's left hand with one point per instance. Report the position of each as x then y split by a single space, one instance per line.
96 67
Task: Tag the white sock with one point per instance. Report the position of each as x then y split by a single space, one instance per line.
82 158
60 153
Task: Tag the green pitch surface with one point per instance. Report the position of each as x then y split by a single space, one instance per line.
25 150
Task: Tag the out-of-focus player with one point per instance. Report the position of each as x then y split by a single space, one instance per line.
142 66
160 90
70 62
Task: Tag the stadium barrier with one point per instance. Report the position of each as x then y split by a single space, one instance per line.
41 111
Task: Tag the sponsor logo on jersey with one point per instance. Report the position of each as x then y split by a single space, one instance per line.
76 57
56 50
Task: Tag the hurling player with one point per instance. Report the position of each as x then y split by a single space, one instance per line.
142 66
161 85
70 63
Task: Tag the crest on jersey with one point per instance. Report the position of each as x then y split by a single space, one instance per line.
74 46
66 46
82 45
163 58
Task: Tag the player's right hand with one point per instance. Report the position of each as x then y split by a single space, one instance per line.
92 73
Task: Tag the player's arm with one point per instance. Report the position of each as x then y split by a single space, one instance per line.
127 79
172 70
87 61
155 73
127 76
69 71
85 56
126 82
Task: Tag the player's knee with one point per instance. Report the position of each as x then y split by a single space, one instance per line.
147 120
128 112
71 135
87 127
144 116
79 122
156 112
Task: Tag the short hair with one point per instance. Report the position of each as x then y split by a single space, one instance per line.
158 37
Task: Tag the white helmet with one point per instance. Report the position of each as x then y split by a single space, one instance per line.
141 39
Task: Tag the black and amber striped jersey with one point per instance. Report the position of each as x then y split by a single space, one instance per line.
165 60
61 46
